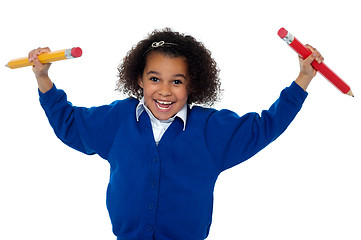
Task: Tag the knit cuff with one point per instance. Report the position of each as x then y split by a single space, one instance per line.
297 92
48 96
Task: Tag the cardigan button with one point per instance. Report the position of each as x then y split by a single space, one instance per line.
154 183
150 228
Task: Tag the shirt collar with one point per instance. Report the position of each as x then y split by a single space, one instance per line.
182 114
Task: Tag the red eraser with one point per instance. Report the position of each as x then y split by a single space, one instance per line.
76 52
282 33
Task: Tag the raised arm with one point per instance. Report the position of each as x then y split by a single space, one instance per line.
84 129
235 139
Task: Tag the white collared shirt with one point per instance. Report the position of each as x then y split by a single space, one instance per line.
160 126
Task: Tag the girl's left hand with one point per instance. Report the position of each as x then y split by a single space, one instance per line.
305 64
307 72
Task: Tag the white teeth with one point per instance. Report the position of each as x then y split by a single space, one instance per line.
164 102
163 107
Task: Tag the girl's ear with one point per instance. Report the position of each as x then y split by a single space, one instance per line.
140 82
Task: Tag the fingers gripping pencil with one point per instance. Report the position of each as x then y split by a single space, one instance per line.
321 67
47 57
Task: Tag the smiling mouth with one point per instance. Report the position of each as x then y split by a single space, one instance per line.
163 106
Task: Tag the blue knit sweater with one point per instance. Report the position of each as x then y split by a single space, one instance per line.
166 192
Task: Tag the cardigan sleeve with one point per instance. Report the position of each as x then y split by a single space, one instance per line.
88 130
235 139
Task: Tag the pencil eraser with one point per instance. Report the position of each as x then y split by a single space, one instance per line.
76 52
282 33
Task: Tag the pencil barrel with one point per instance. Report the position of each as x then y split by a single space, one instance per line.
46 57
331 76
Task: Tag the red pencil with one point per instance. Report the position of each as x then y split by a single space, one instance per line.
322 67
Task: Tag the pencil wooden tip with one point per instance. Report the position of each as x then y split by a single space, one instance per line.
350 93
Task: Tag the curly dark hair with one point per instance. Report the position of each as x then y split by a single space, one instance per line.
204 87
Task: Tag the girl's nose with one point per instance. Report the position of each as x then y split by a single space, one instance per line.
165 90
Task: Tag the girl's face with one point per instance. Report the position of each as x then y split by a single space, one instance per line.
164 82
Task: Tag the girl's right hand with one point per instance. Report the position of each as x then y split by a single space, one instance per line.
40 70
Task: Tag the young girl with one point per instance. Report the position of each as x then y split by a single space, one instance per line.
164 155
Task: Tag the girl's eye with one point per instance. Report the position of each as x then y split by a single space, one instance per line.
177 82
154 79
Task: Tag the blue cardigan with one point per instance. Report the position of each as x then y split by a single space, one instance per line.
166 192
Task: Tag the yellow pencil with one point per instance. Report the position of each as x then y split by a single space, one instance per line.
47 57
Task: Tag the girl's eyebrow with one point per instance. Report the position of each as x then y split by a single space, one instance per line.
175 75
153 72
180 75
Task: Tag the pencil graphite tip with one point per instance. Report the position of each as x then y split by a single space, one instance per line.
7 65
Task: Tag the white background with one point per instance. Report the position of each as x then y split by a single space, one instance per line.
305 185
